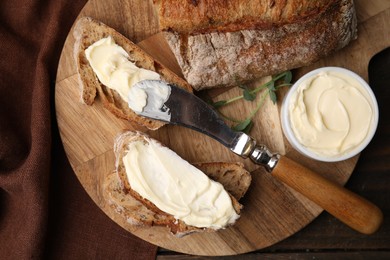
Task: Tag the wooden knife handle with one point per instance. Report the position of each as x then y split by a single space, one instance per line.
348 207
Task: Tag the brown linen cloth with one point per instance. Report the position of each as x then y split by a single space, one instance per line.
44 211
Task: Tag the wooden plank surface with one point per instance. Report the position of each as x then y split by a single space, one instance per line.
273 211
290 256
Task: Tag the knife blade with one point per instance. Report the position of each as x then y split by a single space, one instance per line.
190 111
180 107
173 105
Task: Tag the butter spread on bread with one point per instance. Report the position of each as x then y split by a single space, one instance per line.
112 66
224 43
176 187
233 176
86 32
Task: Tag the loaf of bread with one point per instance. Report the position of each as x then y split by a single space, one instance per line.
86 32
223 43
139 211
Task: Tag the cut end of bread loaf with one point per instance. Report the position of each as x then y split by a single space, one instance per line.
86 32
139 211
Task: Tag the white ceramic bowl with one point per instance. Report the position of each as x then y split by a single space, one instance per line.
289 133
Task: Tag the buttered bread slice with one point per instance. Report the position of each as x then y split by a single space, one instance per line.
233 176
175 193
108 64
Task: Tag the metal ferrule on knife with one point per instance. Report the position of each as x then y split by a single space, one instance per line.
246 147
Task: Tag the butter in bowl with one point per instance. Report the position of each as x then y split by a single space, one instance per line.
330 114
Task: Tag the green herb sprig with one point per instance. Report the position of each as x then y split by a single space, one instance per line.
278 81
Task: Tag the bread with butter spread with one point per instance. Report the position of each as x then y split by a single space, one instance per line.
138 211
86 32
223 43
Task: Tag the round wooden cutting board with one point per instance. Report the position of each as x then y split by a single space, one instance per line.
272 211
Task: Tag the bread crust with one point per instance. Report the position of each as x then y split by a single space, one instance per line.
140 211
86 32
204 16
225 56
233 176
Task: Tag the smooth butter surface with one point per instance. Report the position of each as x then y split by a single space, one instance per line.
113 67
176 187
331 113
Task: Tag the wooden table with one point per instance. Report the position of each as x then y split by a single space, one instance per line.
326 237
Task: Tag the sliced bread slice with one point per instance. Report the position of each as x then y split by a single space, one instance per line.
139 211
86 32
